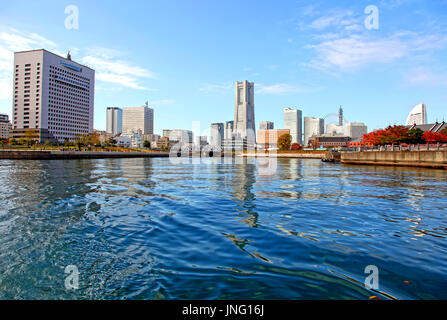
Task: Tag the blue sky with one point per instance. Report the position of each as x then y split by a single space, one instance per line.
184 56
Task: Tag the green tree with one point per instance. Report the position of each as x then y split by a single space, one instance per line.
284 142
413 136
30 137
110 142
146 144
79 141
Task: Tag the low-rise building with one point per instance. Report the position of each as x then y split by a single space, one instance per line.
179 135
5 126
268 139
329 141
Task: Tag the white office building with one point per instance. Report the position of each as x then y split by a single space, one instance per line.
138 119
179 135
266 125
114 120
52 95
217 134
293 119
418 115
355 130
312 127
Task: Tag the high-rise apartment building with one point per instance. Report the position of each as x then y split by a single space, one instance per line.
244 115
138 119
5 126
293 120
114 120
312 126
266 125
53 96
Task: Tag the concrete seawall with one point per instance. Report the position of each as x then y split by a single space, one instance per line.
424 159
56 155
284 155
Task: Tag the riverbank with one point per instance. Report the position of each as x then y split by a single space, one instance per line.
423 159
57 155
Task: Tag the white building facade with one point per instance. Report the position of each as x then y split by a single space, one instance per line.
418 115
217 134
52 95
114 120
293 120
312 126
138 119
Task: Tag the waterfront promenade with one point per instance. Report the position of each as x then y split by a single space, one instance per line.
56 155
285 155
424 159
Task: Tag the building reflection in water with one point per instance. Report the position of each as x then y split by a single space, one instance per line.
243 180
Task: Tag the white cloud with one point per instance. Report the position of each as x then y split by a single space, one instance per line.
337 19
355 51
110 67
423 76
108 63
5 88
224 88
281 89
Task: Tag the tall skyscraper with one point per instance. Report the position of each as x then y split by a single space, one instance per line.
217 134
114 120
137 119
418 115
244 115
53 96
293 120
312 126
266 125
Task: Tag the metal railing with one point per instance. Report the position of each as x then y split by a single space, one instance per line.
405 147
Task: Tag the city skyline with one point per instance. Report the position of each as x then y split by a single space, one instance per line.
313 58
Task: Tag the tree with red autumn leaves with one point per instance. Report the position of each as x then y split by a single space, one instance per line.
391 135
401 134
296 147
433 137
